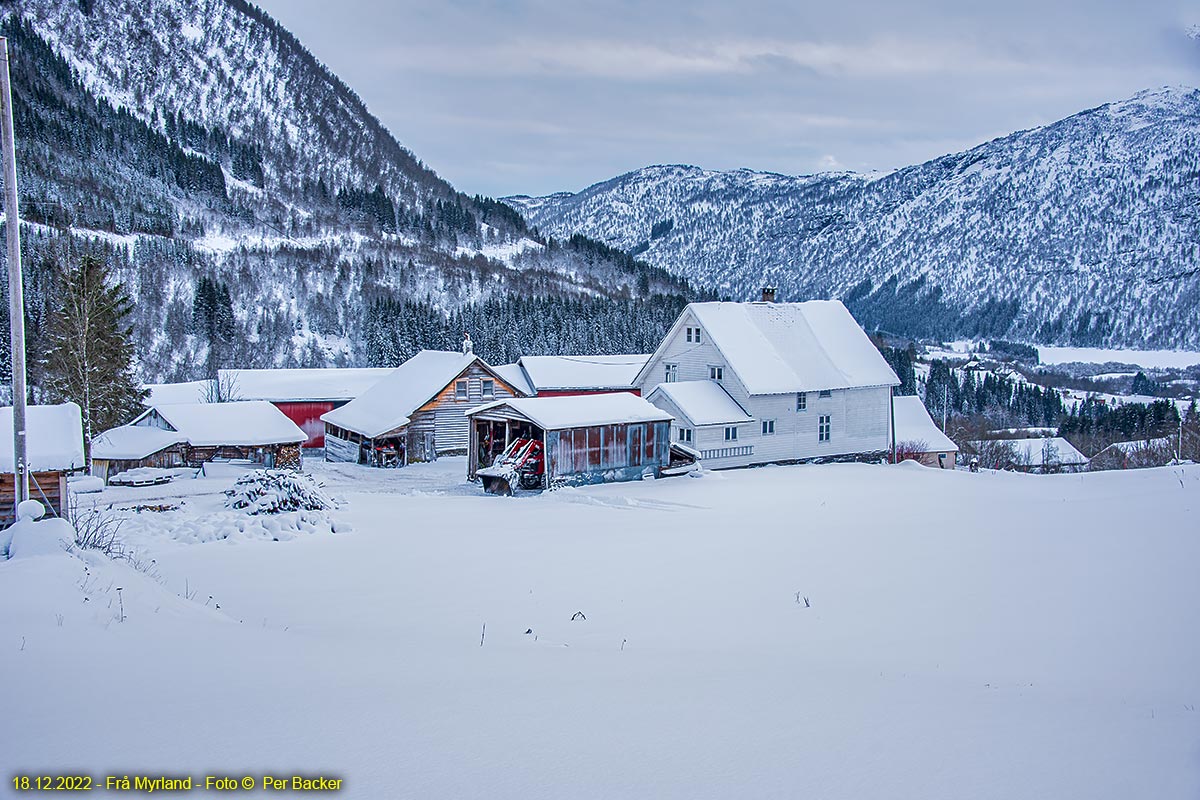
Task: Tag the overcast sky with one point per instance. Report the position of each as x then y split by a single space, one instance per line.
536 96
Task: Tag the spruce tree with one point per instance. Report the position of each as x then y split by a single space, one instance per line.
90 357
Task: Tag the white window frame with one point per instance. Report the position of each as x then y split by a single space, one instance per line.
731 433
768 427
824 427
801 402
684 435
461 390
689 334
716 372
697 336
670 373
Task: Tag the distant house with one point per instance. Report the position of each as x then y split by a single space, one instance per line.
415 413
785 382
303 395
53 450
917 434
189 434
557 376
1135 454
1039 455
587 439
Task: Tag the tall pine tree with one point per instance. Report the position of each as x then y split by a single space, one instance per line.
90 354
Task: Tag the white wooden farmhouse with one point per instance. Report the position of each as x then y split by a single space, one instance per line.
756 383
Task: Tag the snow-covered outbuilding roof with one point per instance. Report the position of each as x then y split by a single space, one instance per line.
247 423
576 411
581 373
1033 451
387 405
186 392
53 438
702 402
284 385
1137 446
133 442
515 377
776 348
913 424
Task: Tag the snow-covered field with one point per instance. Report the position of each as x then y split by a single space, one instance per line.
964 635
1149 359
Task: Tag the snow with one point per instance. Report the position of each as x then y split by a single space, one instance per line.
986 659
702 402
186 392
1138 445
133 442
514 376
582 372
776 348
913 424
53 438
387 405
1033 451
1149 359
247 423
579 411
282 385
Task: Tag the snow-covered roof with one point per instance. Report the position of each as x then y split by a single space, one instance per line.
1137 446
1033 451
515 377
913 424
387 405
53 438
577 411
247 423
775 348
283 385
186 392
133 442
549 373
702 402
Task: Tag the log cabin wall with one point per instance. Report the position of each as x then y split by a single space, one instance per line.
48 488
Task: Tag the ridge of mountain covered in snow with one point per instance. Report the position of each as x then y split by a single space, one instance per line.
1082 232
202 140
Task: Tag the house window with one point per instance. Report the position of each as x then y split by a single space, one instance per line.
689 335
802 401
716 373
489 387
697 336
768 427
672 373
460 390
823 428
731 433
826 393
685 435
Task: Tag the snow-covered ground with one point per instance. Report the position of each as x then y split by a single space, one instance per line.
760 633
1149 359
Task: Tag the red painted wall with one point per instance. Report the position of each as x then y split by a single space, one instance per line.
307 416
576 392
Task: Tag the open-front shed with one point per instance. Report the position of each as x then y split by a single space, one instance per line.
586 439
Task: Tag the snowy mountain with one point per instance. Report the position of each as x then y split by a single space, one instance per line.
193 141
1086 231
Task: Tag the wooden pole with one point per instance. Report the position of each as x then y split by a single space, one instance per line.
16 301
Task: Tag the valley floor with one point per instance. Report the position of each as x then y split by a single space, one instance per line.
838 631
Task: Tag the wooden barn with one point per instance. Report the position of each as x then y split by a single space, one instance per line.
416 413
54 450
189 434
586 439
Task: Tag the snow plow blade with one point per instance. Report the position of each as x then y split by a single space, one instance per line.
496 484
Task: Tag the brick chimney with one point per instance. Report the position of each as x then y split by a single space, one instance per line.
768 294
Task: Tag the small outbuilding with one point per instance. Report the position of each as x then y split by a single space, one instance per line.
560 376
586 439
53 450
1135 454
189 434
919 438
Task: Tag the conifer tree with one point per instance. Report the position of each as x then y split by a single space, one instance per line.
90 357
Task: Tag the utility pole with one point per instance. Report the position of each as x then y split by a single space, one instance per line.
16 291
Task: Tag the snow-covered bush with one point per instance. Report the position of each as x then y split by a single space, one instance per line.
272 491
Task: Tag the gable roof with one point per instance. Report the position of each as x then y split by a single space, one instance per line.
186 392
1032 451
702 402
283 385
133 442
388 404
248 423
777 348
515 377
53 438
577 411
913 424
565 373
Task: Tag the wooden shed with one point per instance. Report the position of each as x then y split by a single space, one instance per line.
415 413
54 450
586 438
